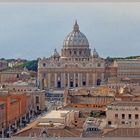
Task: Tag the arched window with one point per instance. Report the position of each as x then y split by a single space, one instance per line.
44 64
98 82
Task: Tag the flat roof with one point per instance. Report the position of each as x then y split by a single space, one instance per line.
55 114
55 91
40 124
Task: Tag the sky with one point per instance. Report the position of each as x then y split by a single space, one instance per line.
32 30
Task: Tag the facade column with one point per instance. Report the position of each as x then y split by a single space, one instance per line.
102 77
87 79
94 79
78 79
74 81
9 130
64 78
81 79
68 80
15 124
25 118
49 80
20 121
2 135
55 80
40 83
29 114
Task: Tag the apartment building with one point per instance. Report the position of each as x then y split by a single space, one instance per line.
123 114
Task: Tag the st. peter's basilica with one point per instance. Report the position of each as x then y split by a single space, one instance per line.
75 66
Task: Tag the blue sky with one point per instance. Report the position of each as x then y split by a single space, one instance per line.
34 30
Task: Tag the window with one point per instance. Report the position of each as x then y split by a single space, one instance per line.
136 123
58 84
2 106
123 122
109 122
136 116
116 115
17 75
123 116
76 85
84 83
37 99
99 65
37 108
129 116
44 65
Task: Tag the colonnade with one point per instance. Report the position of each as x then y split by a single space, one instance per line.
62 80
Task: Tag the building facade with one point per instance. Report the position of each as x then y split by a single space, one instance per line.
128 69
123 114
19 102
75 67
88 98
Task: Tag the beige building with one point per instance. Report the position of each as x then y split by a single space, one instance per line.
128 69
88 98
36 97
123 114
11 76
54 119
76 66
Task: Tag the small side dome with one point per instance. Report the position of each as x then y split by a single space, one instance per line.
95 54
55 54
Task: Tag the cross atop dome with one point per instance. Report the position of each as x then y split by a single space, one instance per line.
76 27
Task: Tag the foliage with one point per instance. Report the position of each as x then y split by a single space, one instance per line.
31 65
111 59
92 114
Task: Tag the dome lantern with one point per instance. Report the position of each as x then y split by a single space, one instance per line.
76 27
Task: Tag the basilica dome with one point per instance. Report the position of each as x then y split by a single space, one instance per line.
75 39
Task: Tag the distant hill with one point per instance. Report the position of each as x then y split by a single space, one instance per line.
30 65
33 64
111 59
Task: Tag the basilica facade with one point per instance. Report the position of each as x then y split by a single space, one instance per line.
75 66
